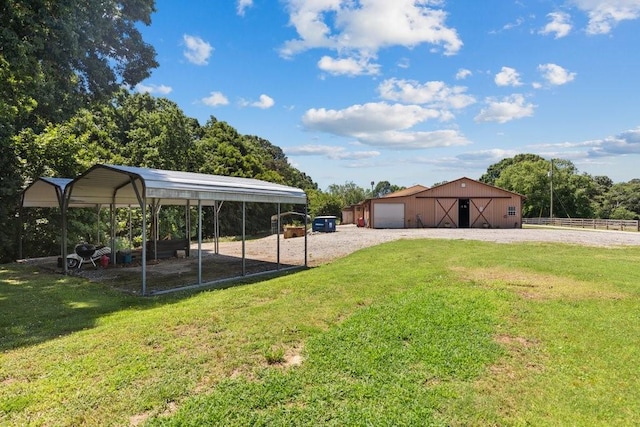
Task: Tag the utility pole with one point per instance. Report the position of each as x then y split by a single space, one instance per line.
551 189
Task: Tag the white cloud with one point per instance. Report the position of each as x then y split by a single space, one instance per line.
331 152
404 63
383 125
265 102
398 140
466 163
463 73
357 155
508 77
360 29
487 156
311 150
555 74
627 142
197 50
502 111
434 93
154 89
243 5
605 14
215 99
518 22
368 118
559 25
348 66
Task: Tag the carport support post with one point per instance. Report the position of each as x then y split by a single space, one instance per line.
199 241
112 210
99 208
306 223
64 205
130 229
278 239
155 211
144 247
216 225
244 222
187 225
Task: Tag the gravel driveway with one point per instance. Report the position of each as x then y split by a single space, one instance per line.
324 247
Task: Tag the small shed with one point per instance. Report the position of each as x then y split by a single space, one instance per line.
351 214
463 203
279 221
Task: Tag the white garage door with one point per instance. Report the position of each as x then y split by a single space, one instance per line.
388 215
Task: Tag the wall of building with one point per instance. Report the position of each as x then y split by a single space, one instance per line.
347 216
488 207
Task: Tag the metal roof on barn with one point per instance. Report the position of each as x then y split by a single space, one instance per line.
410 191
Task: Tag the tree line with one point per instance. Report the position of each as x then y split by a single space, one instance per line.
141 130
575 194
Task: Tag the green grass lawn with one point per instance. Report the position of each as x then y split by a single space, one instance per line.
428 332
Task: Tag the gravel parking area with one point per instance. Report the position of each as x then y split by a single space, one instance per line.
324 247
261 254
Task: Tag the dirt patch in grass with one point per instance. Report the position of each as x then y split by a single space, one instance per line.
518 362
533 285
140 419
293 357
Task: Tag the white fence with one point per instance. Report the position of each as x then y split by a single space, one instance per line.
603 224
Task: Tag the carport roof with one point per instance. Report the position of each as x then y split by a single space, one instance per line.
45 192
104 184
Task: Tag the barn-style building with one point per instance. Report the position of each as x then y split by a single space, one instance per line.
463 203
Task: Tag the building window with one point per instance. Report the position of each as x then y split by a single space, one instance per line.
511 211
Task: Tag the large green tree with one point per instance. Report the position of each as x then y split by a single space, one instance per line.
536 179
530 179
348 193
493 172
222 150
140 130
60 54
151 132
621 201
131 129
56 57
276 164
383 188
321 203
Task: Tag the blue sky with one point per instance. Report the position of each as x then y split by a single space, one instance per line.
410 91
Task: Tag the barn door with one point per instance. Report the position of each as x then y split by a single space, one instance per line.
463 213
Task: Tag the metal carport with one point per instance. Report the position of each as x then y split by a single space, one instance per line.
116 185
44 192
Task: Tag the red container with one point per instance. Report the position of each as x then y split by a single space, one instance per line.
104 260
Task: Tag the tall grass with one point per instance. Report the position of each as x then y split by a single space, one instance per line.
408 333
